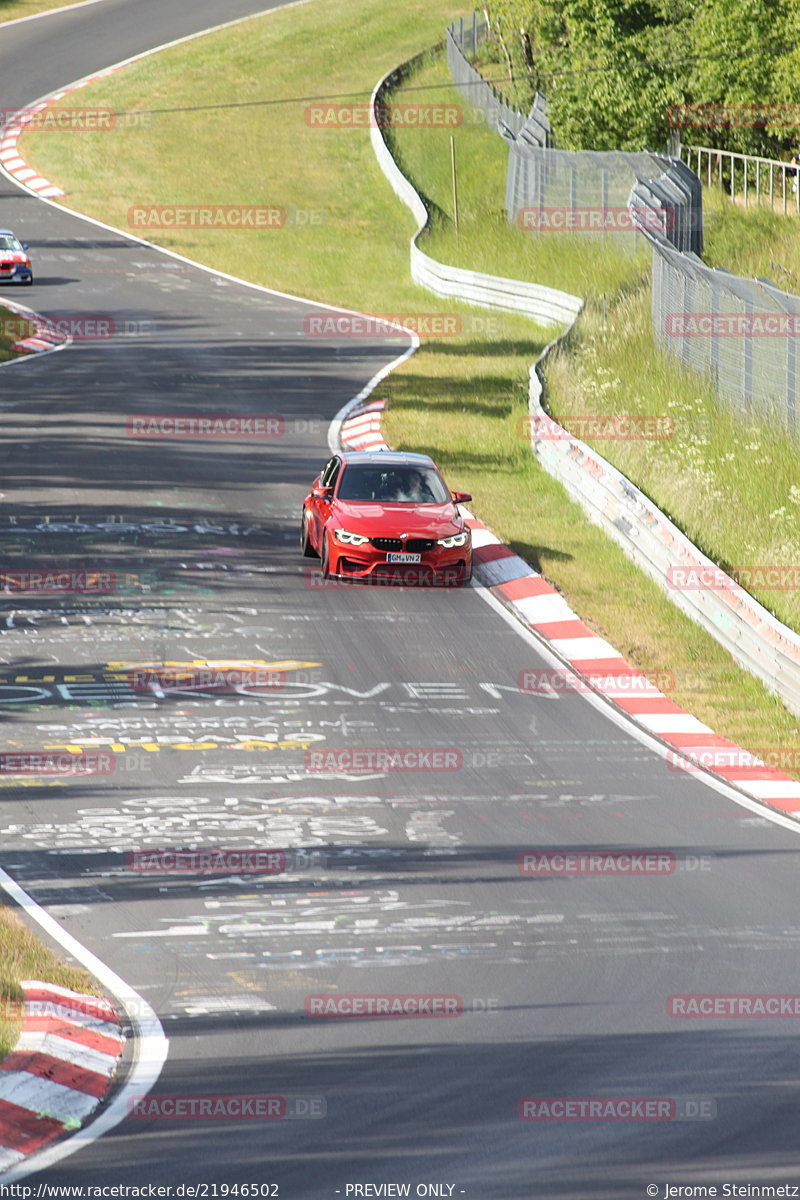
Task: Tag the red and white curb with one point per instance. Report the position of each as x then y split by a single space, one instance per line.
545 612
10 158
361 430
45 337
60 1070
13 162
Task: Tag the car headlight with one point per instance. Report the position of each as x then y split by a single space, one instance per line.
456 539
349 539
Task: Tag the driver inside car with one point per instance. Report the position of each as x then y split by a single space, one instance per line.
413 489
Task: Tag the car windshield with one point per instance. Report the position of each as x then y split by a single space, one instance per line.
393 485
7 242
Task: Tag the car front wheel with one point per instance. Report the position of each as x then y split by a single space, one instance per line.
305 540
325 568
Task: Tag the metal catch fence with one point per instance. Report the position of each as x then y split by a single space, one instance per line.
463 38
740 333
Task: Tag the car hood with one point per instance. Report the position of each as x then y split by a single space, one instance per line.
390 520
16 256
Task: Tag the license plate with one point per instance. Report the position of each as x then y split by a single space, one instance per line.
404 558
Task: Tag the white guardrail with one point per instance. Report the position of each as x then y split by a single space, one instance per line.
753 636
546 305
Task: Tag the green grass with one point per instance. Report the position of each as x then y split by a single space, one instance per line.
486 241
754 241
10 10
23 956
459 398
733 488
11 324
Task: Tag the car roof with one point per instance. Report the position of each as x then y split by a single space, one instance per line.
385 458
10 231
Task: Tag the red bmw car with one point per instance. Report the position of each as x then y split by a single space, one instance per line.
386 517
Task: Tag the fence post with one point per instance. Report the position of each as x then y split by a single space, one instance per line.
733 177
604 200
791 377
747 363
687 308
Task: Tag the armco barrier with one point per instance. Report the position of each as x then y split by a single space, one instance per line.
753 636
742 626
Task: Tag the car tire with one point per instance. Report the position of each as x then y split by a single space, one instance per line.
28 282
305 540
325 568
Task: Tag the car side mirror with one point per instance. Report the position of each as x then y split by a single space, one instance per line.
24 245
461 497
322 493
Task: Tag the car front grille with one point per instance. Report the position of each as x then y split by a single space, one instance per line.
412 545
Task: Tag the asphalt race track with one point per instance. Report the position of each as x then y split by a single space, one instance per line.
397 882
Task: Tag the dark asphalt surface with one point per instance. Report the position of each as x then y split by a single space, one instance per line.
399 883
